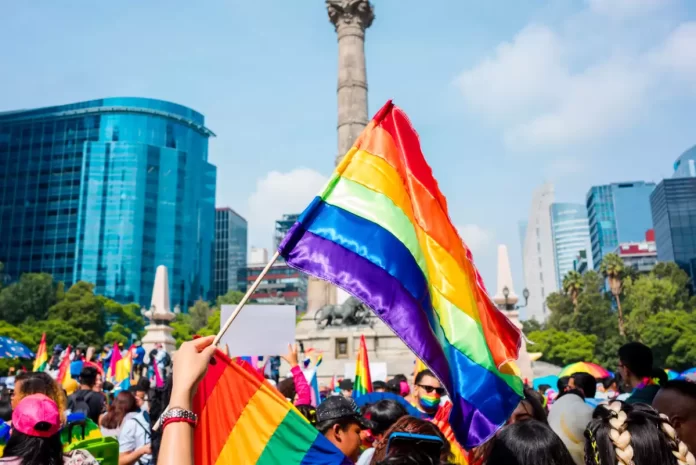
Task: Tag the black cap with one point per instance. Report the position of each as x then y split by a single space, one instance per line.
339 407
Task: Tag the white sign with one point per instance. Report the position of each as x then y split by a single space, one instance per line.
378 371
259 330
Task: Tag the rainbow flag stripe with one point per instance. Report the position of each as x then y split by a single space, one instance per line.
363 381
380 230
243 419
41 360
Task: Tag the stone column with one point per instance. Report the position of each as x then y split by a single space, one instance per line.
351 18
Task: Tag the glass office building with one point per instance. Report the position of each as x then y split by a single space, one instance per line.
105 191
673 205
230 250
617 213
571 235
685 166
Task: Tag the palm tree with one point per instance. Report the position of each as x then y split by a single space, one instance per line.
572 284
613 269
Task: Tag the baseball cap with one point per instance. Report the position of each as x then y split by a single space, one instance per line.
338 408
345 385
36 415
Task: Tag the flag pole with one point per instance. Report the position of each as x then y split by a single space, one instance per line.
244 300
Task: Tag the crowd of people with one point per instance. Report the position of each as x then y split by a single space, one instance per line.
635 418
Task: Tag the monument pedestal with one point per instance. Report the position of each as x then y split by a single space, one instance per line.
158 333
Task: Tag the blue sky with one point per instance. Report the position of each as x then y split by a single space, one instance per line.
505 95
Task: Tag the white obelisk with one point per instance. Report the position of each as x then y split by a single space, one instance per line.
160 315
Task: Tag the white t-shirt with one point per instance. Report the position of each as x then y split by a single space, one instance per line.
135 433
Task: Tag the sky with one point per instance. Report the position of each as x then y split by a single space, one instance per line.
505 95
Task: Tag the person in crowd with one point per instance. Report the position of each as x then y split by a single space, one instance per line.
30 383
623 433
408 424
54 362
379 386
530 408
158 401
309 412
568 418
543 388
295 389
527 443
106 354
339 421
110 423
35 436
636 368
346 387
77 358
660 375
677 400
134 438
85 399
139 392
399 386
562 384
612 388
383 414
427 393
587 384
138 360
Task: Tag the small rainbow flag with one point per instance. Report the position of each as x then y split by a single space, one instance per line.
41 360
380 230
64 368
243 419
363 381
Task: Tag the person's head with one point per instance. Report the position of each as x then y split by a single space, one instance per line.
309 412
636 434
584 382
5 410
287 388
408 424
528 443
543 388
339 420
379 386
660 375
677 400
98 383
612 384
346 387
383 414
88 378
123 404
635 363
562 383
35 436
140 395
428 391
531 407
29 383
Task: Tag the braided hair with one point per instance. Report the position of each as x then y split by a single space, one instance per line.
633 434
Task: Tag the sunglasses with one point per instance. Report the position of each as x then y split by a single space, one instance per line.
431 389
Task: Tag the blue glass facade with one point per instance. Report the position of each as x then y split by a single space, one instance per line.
230 250
618 213
571 235
105 191
685 166
673 205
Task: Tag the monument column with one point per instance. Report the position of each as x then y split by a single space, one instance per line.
351 18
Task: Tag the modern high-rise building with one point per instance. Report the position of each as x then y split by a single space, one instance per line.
685 166
673 205
230 250
571 235
538 254
641 256
618 212
107 190
282 226
281 285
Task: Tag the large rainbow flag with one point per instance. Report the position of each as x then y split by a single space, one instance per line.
381 231
41 360
243 419
64 368
363 381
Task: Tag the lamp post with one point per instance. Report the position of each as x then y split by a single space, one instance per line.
506 294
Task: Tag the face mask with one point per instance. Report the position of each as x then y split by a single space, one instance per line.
429 402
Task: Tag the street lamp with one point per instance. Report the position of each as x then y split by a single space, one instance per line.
506 294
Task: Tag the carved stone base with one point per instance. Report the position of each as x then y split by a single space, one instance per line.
159 334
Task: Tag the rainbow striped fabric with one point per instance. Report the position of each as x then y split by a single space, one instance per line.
243 419
380 230
41 360
64 368
363 381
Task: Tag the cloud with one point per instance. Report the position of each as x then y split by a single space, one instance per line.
475 237
545 90
278 193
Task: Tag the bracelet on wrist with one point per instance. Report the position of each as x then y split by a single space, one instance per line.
176 414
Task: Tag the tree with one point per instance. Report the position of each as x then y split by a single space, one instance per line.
57 332
561 308
531 325
664 332
182 328
30 297
213 326
200 312
563 348
231 298
572 285
650 295
83 310
612 268
122 320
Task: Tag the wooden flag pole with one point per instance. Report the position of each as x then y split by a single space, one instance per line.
244 300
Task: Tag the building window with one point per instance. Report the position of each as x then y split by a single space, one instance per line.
341 347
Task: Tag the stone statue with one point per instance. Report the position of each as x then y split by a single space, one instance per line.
352 312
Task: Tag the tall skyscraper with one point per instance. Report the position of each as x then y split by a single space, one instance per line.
618 212
282 226
571 234
673 205
230 250
685 166
107 190
538 254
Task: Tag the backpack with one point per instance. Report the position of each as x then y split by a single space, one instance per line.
78 402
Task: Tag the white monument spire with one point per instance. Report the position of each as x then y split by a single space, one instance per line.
160 314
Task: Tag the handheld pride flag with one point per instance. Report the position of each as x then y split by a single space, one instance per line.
64 368
380 230
41 360
363 381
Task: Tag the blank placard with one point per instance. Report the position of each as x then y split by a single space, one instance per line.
259 330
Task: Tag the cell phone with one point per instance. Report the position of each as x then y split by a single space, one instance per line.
429 444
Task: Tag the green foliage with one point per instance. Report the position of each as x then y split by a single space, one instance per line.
213 326
183 330
57 332
124 320
30 297
572 285
612 268
529 326
231 298
82 309
200 312
562 348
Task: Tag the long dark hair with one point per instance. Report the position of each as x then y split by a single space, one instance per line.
34 450
384 414
122 405
528 443
408 424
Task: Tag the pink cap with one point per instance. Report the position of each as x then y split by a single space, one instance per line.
36 415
